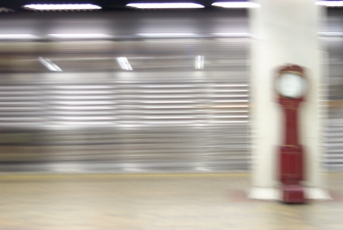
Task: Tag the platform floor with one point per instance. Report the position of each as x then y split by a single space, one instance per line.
155 201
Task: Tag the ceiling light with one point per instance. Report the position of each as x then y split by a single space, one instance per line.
331 34
165 5
62 7
233 35
236 4
330 3
199 62
124 63
79 36
166 35
17 36
49 64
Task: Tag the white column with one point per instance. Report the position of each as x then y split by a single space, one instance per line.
285 31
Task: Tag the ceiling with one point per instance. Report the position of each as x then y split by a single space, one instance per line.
105 4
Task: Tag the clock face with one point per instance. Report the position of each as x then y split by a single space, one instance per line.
291 85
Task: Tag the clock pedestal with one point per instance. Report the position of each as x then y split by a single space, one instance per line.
291 154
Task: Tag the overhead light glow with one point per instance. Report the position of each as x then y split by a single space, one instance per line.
79 36
166 35
199 62
49 64
165 5
5 10
331 34
236 4
330 3
62 7
124 63
234 35
17 36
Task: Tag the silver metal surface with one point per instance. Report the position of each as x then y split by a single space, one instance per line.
164 115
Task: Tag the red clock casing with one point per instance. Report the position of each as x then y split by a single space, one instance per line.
291 153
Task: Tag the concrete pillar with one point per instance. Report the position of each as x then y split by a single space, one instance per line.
285 32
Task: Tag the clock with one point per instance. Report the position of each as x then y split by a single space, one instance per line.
291 86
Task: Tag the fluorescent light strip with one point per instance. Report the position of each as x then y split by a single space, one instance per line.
124 63
231 34
166 35
49 64
17 36
236 4
331 34
330 3
199 62
62 7
185 5
79 36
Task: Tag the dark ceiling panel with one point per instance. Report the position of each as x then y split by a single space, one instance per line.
105 4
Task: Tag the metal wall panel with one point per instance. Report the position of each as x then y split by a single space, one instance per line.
334 126
150 119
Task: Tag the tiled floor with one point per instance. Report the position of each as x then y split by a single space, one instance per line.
161 202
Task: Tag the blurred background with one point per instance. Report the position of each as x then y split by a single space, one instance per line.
122 89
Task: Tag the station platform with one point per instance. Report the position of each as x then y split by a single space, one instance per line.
155 201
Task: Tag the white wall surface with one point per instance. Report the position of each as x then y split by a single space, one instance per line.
284 31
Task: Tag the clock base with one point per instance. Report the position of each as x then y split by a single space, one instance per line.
291 163
293 194
292 173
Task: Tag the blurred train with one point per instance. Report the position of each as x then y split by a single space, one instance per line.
144 91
